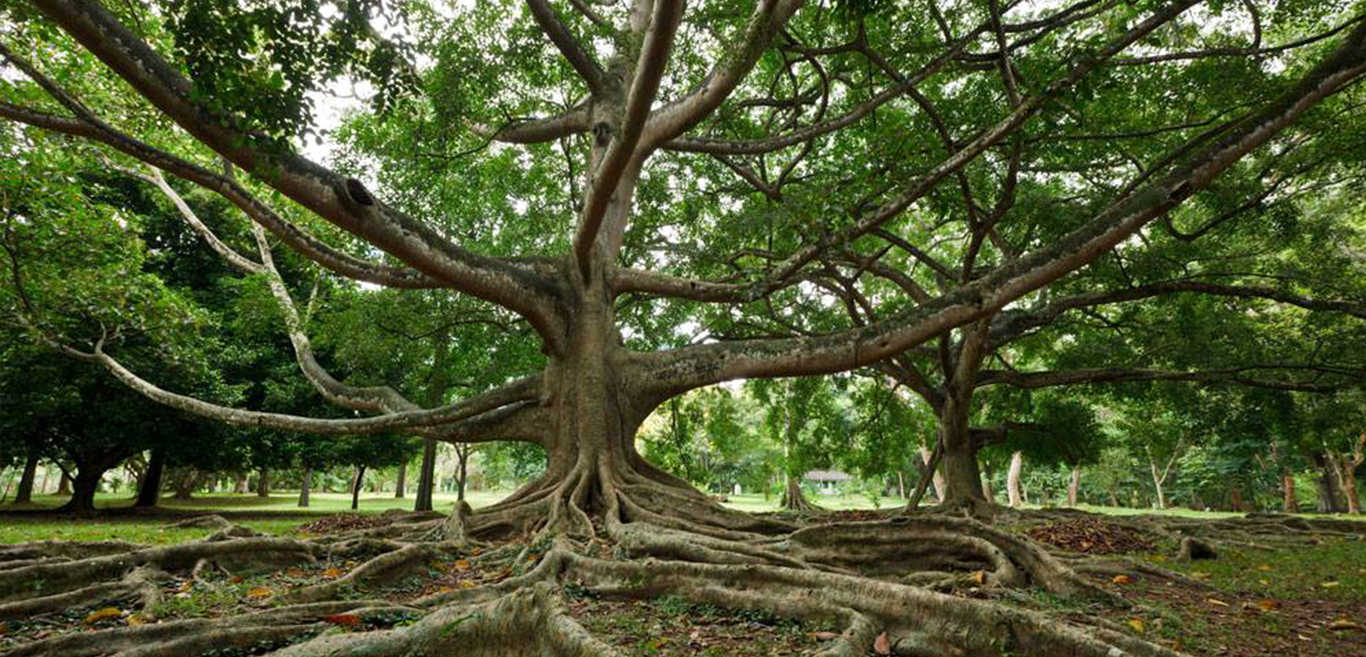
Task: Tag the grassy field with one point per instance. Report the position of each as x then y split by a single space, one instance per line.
279 514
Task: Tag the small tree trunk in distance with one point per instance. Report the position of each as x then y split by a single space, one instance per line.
987 474
1331 499
1013 480
426 480
263 484
462 455
793 497
401 485
900 485
1349 485
83 489
1289 503
355 487
305 484
925 455
1074 485
149 493
24 494
64 485
241 486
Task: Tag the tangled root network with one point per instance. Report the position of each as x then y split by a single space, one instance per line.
915 584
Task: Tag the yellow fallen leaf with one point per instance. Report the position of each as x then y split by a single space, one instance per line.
445 589
185 586
332 572
1329 585
1263 567
260 592
134 620
1268 605
1200 575
476 552
979 577
1122 579
294 572
103 614
1264 582
462 565
1138 625
1216 602
437 566
1342 624
466 584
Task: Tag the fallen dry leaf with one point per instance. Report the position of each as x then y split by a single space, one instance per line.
1122 579
1138 625
462 565
466 584
979 577
345 620
881 645
1216 602
1268 605
1263 567
332 573
103 614
476 552
824 636
1342 624
1329 585
135 620
260 592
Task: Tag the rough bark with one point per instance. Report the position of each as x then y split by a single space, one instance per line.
462 456
794 498
24 493
263 483
149 493
1074 485
1331 498
1013 480
1349 484
401 482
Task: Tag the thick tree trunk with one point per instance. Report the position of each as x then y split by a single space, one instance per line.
426 480
24 494
305 486
1074 486
1289 502
401 484
83 489
263 483
1013 480
355 487
64 485
149 493
962 477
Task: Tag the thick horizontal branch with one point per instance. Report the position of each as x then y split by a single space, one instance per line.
579 58
536 131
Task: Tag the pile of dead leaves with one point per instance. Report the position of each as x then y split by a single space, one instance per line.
1089 536
344 522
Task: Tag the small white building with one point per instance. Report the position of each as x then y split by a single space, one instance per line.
827 481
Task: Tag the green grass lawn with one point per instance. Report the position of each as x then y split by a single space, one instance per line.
282 501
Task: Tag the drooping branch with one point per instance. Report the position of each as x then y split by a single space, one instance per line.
342 201
706 364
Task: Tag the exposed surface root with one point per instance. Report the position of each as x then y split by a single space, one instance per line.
920 584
